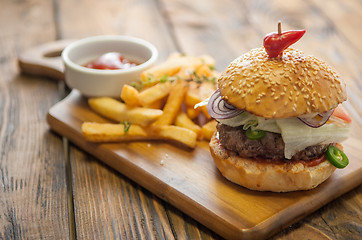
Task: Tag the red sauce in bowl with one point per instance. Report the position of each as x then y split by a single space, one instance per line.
111 61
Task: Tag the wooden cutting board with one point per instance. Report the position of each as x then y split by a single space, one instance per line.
190 181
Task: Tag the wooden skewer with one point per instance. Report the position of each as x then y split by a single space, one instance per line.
279 27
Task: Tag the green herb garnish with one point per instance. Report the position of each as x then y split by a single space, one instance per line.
163 79
126 125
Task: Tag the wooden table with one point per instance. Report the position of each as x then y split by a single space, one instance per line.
51 189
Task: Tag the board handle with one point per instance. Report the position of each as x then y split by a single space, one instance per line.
44 60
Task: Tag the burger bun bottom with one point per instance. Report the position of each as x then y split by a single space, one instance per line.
256 175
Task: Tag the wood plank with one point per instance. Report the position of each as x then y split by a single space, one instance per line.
115 17
108 205
197 188
346 17
32 171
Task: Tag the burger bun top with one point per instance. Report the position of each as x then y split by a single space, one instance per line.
291 85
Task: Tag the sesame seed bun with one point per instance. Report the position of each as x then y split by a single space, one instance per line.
283 87
260 176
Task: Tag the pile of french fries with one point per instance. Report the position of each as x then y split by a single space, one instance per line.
161 106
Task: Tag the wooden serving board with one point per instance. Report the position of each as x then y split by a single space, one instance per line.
190 181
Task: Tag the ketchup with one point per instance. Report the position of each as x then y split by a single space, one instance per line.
111 61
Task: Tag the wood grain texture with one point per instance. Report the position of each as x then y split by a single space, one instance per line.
190 181
32 175
223 29
44 60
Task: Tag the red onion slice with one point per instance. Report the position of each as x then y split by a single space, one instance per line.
315 123
220 109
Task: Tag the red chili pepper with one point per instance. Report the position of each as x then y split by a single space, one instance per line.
276 42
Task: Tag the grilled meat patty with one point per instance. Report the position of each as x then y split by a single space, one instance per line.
271 146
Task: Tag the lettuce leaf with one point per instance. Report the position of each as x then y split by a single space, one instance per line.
249 120
298 136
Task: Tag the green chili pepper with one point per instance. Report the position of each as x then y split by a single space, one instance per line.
336 157
254 134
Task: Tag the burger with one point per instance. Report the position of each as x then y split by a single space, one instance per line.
280 122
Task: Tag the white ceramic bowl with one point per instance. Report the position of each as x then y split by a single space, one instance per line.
96 82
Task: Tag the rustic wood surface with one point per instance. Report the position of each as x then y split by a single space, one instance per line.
46 193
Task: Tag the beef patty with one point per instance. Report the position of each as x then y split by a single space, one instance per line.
271 146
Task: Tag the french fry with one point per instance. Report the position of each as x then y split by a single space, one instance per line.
204 71
120 112
180 81
130 96
175 133
157 104
198 92
182 120
110 132
192 95
192 113
154 93
173 65
205 112
208 129
173 104
152 75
